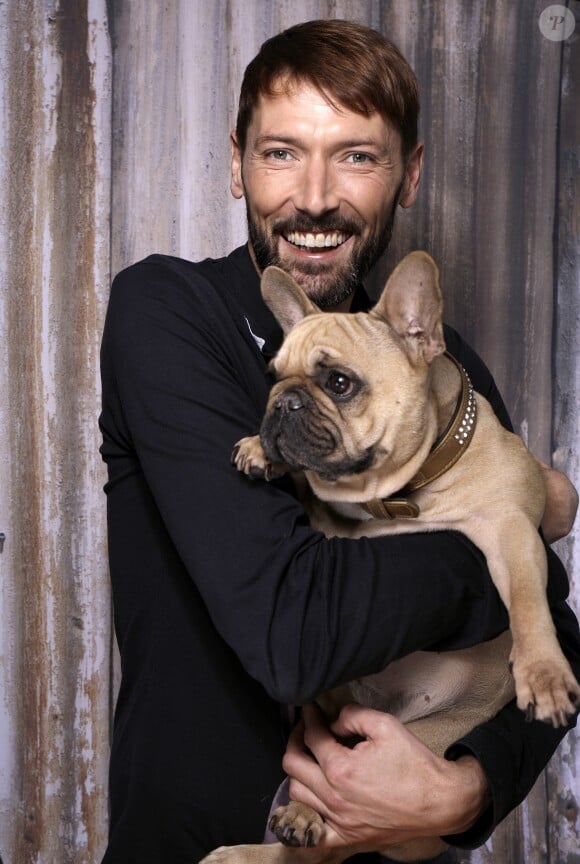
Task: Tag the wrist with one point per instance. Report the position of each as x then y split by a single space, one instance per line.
463 795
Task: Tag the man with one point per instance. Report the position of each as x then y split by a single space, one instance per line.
226 603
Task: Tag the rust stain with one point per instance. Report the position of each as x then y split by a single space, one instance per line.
58 796
23 383
73 310
571 811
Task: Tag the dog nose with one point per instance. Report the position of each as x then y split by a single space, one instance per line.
289 401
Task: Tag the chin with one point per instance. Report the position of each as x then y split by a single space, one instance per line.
319 279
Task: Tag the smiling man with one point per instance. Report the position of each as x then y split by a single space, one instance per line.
321 201
227 605
323 171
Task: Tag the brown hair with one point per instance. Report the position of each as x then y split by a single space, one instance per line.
349 63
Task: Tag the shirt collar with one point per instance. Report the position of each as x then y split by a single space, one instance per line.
263 327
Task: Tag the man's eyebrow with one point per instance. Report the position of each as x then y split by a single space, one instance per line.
350 143
357 143
276 139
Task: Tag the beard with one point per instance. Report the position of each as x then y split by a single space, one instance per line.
326 284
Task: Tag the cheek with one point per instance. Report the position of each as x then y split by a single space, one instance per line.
267 191
373 202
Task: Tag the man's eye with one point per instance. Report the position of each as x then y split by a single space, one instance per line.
359 158
278 155
338 384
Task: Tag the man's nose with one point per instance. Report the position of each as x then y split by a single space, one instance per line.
316 192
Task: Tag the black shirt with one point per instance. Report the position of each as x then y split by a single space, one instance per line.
226 602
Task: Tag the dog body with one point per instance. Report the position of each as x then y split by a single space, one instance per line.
368 406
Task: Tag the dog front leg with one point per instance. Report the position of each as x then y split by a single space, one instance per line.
546 687
248 457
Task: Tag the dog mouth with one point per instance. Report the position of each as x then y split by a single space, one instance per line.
318 240
329 469
311 447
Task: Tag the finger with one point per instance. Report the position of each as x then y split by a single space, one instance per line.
364 722
318 737
300 765
304 794
296 739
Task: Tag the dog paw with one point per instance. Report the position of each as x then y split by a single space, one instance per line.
296 825
249 458
546 690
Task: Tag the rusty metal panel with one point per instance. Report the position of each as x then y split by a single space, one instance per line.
55 642
498 209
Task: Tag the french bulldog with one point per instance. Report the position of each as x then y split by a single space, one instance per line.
391 437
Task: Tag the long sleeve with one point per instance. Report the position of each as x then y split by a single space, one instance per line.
301 612
226 601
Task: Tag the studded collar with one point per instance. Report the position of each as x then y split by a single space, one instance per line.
448 448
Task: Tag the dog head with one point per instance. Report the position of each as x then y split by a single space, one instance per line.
351 402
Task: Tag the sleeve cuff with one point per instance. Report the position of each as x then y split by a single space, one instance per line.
497 757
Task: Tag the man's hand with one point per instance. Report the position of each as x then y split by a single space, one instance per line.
388 789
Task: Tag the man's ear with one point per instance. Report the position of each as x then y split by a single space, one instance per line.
236 183
412 305
285 298
413 168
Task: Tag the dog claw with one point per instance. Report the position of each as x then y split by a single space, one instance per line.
288 837
530 712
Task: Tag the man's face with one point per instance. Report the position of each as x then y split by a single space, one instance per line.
321 188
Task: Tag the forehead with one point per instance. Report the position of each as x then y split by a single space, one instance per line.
327 338
300 106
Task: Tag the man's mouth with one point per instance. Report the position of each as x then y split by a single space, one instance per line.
320 240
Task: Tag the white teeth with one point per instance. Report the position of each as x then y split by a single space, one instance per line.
313 241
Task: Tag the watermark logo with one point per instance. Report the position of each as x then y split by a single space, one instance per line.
557 23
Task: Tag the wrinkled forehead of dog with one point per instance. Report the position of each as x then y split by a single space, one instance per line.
352 342
404 328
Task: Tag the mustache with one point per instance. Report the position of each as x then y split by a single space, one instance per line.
313 225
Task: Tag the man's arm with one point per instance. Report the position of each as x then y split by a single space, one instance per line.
370 795
302 613
497 763
561 504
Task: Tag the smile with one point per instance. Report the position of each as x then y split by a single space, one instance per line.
317 241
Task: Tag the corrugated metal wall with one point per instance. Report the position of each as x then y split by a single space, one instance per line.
55 82
114 143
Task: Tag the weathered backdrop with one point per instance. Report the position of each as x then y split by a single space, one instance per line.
114 144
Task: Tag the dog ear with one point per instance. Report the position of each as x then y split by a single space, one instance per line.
285 298
412 305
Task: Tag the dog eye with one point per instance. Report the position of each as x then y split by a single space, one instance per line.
338 384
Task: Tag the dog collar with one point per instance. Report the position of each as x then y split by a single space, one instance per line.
448 448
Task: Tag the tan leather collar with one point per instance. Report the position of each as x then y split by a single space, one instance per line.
448 448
